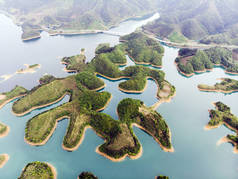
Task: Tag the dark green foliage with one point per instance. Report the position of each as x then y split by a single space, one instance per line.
143 49
91 100
46 79
219 55
117 55
233 138
187 52
222 107
138 76
87 175
190 62
128 109
162 177
223 114
89 80
37 170
105 125
103 48
103 65
188 68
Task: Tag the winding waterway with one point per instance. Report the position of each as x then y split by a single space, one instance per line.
196 153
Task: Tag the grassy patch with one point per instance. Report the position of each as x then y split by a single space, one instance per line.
17 91
177 37
226 85
43 95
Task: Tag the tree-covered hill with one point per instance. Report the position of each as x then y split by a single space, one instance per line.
211 21
73 15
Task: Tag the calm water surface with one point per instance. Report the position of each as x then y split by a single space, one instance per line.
196 153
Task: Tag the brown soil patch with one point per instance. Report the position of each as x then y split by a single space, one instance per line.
185 60
165 92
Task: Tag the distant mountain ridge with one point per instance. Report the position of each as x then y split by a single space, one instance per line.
210 21
74 15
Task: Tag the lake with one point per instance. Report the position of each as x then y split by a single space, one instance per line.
196 152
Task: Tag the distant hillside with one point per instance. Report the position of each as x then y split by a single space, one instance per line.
211 21
72 16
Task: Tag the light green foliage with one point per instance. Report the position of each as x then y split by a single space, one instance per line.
17 91
226 85
177 37
3 128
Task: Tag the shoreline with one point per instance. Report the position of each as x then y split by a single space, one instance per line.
53 129
194 73
104 107
100 88
6 132
112 79
53 169
28 69
227 140
37 107
80 141
11 99
205 70
7 157
135 91
163 100
161 146
217 90
31 38
50 134
144 63
138 155
209 127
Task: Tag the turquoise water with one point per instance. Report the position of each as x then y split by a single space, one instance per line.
196 153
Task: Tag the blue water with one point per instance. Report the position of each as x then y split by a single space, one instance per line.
196 153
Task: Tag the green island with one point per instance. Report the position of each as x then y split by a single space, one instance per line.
29 68
142 49
3 159
4 130
161 177
226 85
74 63
87 175
191 61
222 115
7 97
107 60
85 104
38 170
206 22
